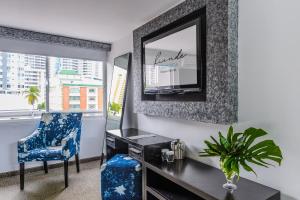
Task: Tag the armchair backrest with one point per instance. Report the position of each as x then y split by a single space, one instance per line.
56 126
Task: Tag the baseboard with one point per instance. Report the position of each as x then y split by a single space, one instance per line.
51 166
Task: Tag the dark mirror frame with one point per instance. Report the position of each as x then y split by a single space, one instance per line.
197 18
129 56
116 60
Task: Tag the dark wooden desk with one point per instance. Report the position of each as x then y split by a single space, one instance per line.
192 180
182 180
143 146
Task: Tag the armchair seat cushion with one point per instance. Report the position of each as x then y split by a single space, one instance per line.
42 154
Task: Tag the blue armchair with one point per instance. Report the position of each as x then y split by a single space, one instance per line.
56 138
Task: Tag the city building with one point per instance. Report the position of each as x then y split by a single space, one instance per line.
19 72
118 86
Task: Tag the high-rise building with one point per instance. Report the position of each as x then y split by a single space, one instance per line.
118 85
86 68
18 72
152 75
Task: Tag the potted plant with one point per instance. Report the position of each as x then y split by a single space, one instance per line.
237 150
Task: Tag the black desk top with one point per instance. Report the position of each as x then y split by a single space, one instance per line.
207 181
139 137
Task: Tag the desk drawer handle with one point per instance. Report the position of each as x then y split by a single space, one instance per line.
110 139
135 150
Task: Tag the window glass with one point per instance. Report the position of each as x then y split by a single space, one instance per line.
74 90
92 106
22 82
75 80
74 84
92 98
91 90
75 106
75 98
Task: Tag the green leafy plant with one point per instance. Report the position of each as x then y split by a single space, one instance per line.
42 106
32 95
115 108
238 149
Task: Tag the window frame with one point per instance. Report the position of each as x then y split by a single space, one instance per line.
20 114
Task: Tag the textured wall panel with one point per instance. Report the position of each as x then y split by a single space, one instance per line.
221 106
20 34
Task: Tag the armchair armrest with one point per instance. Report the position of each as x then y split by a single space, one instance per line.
70 144
30 142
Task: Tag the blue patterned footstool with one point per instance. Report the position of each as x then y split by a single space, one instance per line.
121 179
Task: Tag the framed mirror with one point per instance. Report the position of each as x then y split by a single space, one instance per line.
117 95
174 60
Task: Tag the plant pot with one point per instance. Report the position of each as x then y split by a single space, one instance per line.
229 185
230 178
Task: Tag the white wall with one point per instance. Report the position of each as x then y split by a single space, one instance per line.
12 131
269 80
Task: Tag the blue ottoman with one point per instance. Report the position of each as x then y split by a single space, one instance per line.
121 179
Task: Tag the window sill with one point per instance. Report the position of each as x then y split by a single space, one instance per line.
93 115
19 119
37 117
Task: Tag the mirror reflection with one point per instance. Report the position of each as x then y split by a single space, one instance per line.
117 92
171 61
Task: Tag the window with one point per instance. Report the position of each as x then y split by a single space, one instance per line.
74 90
75 107
71 82
92 98
92 106
91 90
75 98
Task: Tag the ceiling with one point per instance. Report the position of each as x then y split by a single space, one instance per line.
99 20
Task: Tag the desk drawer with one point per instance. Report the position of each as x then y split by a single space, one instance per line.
135 152
111 141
